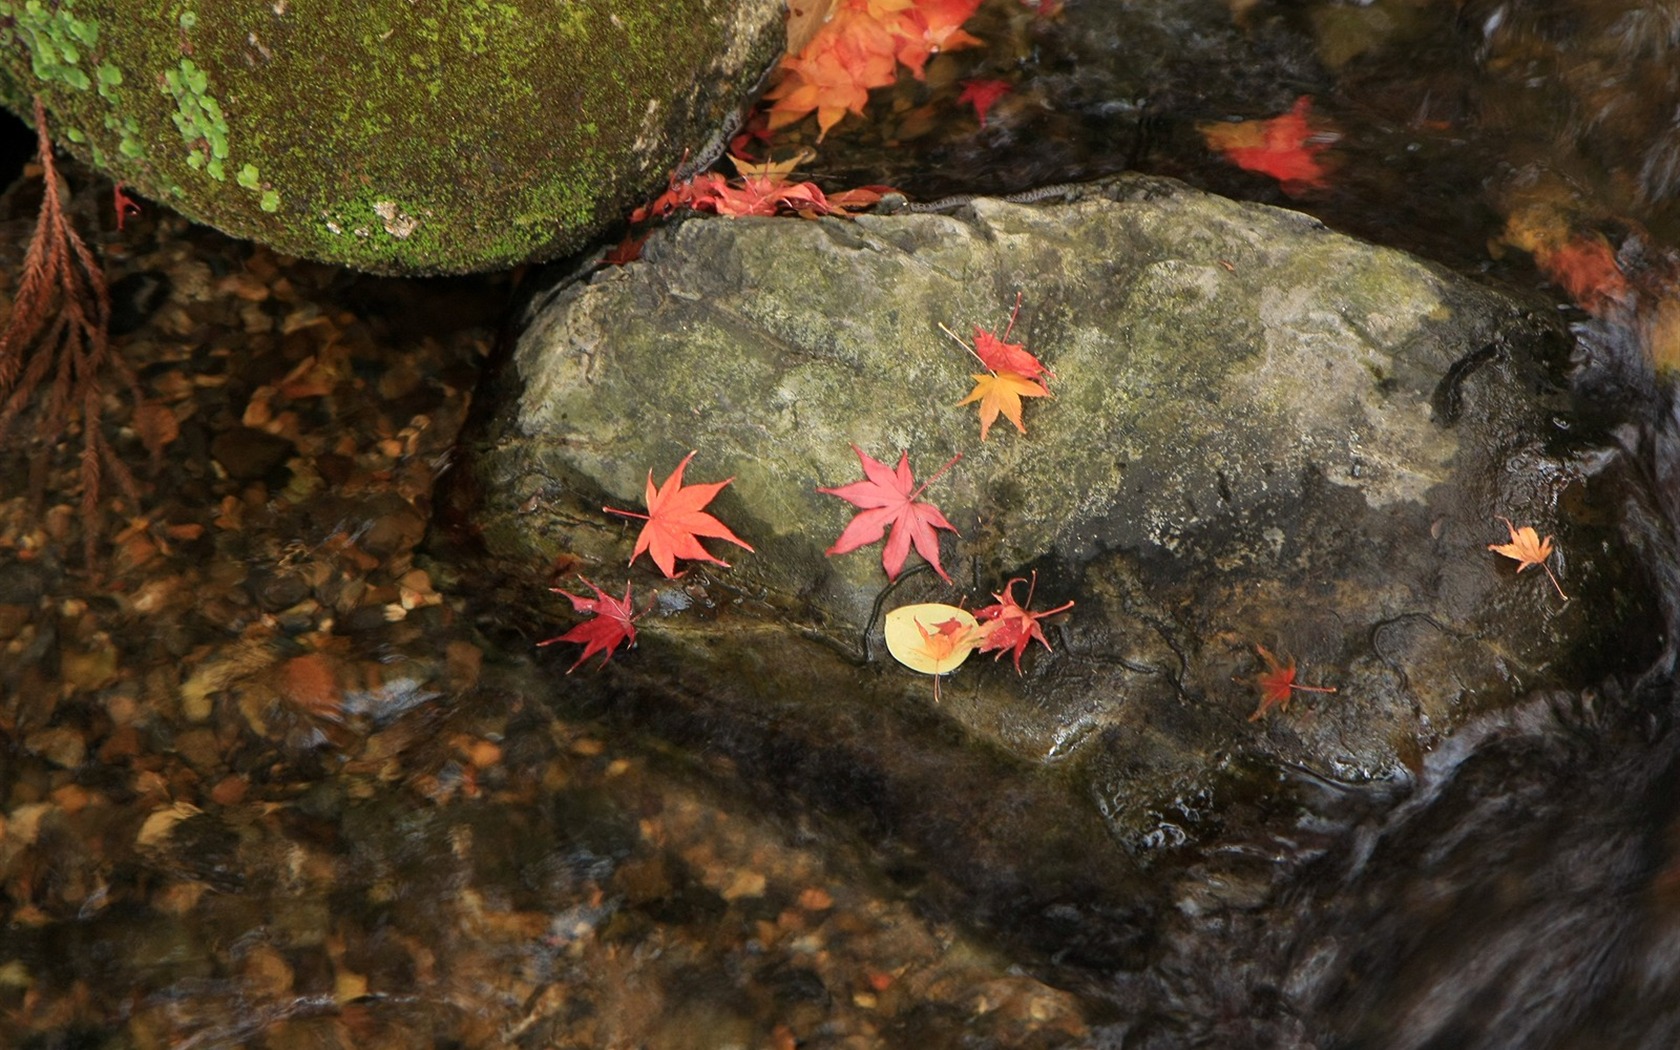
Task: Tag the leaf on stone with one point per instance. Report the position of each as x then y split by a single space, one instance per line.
1528 549
999 355
1012 373
612 623
1285 147
676 522
931 637
1277 684
1001 392
889 497
1009 626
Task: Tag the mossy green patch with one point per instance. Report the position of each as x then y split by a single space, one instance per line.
505 130
56 38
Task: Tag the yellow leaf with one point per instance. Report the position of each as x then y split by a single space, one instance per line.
932 638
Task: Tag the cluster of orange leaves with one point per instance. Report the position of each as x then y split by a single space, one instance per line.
861 47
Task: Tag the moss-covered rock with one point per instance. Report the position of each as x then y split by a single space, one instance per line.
1262 433
398 136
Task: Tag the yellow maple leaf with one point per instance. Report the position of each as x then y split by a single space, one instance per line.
1002 392
1527 548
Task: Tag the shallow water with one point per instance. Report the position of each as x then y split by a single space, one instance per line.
446 847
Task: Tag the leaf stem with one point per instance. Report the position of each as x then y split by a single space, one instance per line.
972 352
627 513
1010 327
1554 580
936 475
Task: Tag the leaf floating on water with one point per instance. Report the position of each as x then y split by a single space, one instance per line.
1285 147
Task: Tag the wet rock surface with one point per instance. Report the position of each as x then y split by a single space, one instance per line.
1262 433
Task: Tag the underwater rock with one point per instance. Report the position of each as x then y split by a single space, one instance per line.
388 135
1262 433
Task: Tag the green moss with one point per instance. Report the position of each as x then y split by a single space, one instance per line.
56 39
198 116
508 130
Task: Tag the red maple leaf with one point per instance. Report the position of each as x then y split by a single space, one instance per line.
981 94
612 623
675 522
1000 355
1284 147
1011 626
888 496
1278 684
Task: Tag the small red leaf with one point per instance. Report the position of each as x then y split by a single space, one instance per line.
1010 626
613 623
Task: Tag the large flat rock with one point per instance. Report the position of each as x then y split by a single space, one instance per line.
1262 433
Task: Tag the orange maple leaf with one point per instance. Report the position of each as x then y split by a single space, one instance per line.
1010 625
948 642
675 521
613 623
889 497
1285 147
1001 392
947 638
1528 549
932 27
1586 269
1278 684
832 76
861 48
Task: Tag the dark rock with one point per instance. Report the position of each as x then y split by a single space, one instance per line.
1262 433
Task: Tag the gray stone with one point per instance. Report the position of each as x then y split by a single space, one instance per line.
1262 433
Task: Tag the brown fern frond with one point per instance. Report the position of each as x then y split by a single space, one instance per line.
58 336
